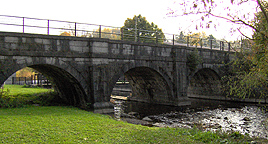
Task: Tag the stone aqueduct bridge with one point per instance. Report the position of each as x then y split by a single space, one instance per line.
85 70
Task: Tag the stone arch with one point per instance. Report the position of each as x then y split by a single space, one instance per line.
60 73
148 83
204 82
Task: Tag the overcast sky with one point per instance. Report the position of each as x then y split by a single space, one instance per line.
105 12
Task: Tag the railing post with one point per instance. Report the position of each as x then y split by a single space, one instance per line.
156 36
23 24
138 33
13 80
75 29
136 29
122 34
187 41
100 31
34 79
229 46
47 27
173 40
220 45
38 79
196 42
201 44
210 43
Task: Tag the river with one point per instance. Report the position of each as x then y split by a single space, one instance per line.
208 115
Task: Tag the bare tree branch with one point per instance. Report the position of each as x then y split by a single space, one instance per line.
244 34
239 21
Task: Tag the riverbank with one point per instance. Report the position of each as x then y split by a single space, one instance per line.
37 124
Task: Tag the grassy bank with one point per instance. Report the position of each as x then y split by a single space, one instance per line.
72 125
21 90
19 96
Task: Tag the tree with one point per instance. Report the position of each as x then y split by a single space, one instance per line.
109 33
213 40
72 33
139 29
197 39
252 81
181 38
113 33
25 72
65 34
248 72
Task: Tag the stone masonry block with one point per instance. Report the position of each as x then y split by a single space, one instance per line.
100 47
11 39
79 46
128 49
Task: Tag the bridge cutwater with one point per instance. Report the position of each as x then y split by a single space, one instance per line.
85 70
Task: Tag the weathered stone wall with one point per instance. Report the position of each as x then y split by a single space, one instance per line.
64 60
205 81
152 71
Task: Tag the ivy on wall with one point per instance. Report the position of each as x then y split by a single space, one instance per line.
193 60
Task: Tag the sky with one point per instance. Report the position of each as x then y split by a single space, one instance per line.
107 12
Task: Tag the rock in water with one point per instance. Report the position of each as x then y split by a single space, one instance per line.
147 119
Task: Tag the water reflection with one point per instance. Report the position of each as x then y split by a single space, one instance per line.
118 108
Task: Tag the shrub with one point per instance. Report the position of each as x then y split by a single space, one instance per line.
8 101
12 100
48 99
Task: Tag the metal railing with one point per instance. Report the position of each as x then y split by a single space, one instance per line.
67 28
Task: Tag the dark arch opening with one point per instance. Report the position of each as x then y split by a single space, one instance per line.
205 82
148 86
70 90
122 88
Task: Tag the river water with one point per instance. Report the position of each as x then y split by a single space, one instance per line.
207 115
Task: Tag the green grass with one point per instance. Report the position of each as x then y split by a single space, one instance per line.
18 90
72 125
18 96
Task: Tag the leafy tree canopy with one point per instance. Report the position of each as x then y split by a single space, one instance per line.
196 39
25 72
139 29
250 68
65 34
110 33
